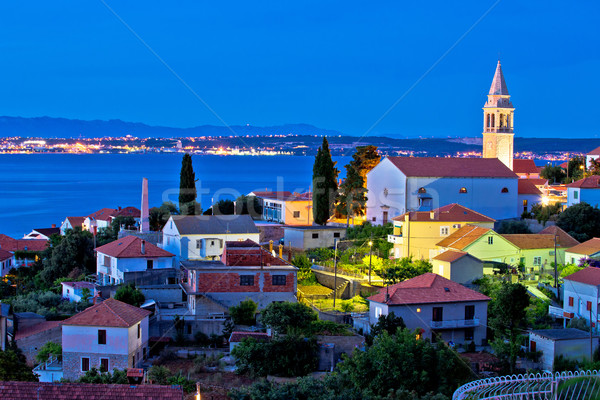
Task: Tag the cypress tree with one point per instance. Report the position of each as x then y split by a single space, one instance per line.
352 199
187 187
324 184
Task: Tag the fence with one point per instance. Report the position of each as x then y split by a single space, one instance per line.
580 385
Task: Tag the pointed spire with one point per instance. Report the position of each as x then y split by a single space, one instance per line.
498 84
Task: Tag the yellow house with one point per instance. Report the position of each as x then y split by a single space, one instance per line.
286 207
417 233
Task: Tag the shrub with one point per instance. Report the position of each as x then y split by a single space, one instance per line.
159 374
47 349
201 338
281 316
244 313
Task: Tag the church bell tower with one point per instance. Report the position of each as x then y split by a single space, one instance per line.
498 122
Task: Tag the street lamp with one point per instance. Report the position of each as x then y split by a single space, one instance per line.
370 255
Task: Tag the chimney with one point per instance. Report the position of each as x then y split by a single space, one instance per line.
119 208
54 225
145 217
143 246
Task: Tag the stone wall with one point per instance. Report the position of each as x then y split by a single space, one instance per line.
343 344
72 363
270 232
30 345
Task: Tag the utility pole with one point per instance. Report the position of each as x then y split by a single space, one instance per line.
591 339
556 271
370 255
334 271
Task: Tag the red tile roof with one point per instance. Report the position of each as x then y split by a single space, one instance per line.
76 221
538 181
128 212
5 254
239 336
12 245
586 248
591 182
595 152
524 167
35 329
564 239
80 285
450 255
103 214
450 213
531 240
588 275
111 313
463 237
427 288
452 167
528 187
47 231
131 247
87 391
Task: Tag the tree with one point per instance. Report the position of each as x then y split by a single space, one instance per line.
324 184
283 316
352 199
49 348
13 366
403 269
158 216
75 250
130 295
248 205
544 213
507 319
187 188
159 374
364 160
554 174
581 221
93 375
509 227
244 313
223 207
576 168
386 323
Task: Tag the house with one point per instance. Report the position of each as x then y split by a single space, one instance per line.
132 212
71 223
416 233
7 262
401 184
592 155
536 250
286 207
129 254
311 237
202 237
245 271
584 191
88 391
529 194
458 266
5 315
236 338
526 169
440 308
43 233
73 291
582 251
25 250
581 291
100 219
31 338
570 343
108 335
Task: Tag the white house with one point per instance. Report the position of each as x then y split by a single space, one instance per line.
71 223
440 308
311 237
529 194
7 262
42 233
73 291
99 219
581 295
570 343
582 251
592 155
201 237
108 335
585 190
129 254
400 184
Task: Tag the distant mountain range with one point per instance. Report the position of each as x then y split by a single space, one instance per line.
48 127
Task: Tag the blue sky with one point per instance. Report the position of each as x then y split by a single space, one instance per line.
337 64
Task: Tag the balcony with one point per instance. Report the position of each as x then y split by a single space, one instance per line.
555 312
395 239
455 323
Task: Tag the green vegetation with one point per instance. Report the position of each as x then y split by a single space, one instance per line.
324 184
554 174
305 274
509 227
543 213
130 295
13 366
357 303
582 221
48 304
187 188
394 271
221 207
159 216
566 270
104 377
248 205
284 316
352 197
49 348
244 313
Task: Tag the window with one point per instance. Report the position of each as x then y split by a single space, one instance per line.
212 243
315 235
199 244
469 312
463 190
533 345
575 194
278 280
570 302
336 234
101 336
504 190
106 261
490 240
588 306
85 364
378 312
444 230
422 190
469 334
139 331
104 365
133 361
296 214
149 264
374 219
246 280
537 260
188 329
438 314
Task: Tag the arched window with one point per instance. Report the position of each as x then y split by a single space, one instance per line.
463 190
422 190
493 120
488 120
501 124
508 121
504 190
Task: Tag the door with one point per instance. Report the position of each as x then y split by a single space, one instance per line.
438 314
385 217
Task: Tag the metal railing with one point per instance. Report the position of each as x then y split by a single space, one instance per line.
456 323
555 311
579 385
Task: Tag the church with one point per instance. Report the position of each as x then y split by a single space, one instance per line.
488 185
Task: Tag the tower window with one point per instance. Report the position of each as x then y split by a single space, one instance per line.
501 120
493 120
422 190
463 190
504 190
508 121
488 120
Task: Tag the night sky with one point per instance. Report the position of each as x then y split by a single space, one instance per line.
337 65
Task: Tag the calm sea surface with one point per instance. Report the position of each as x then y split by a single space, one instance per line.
37 190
